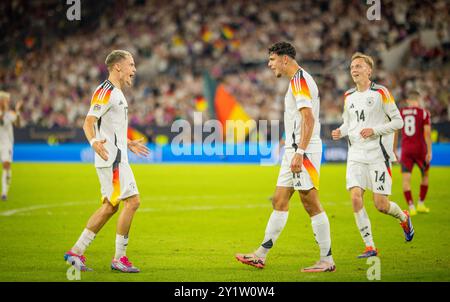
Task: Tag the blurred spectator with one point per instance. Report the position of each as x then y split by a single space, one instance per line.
56 66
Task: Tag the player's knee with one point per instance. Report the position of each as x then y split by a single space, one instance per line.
133 203
383 208
309 208
406 180
382 204
406 185
109 209
114 209
357 200
279 204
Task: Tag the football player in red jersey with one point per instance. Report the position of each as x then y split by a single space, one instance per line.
415 149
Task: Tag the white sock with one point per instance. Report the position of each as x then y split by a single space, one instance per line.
6 181
121 246
276 224
83 242
421 203
321 229
363 223
396 211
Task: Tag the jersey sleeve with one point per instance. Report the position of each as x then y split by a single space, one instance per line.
300 90
391 111
346 119
426 117
101 101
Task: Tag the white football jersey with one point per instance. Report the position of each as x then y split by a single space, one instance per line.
302 92
109 105
374 108
6 128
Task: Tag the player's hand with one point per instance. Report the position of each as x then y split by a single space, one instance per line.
19 106
396 156
367 132
296 163
428 158
336 134
100 149
138 148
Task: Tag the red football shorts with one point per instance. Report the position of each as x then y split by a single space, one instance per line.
408 160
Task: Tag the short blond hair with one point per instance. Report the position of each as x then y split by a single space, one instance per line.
4 95
366 58
116 56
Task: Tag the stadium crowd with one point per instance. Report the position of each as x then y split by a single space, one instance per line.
56 68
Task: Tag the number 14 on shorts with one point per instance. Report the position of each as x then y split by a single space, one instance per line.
298 179
380 177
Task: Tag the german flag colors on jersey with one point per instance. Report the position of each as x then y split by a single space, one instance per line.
300 87
102 94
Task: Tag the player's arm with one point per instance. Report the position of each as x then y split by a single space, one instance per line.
101 102
303 102
395 119
395 123
18 110
138 147
342 131
307 128
427 134
396 144
89 131
2 111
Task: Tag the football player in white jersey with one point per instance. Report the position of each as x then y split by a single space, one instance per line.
370 119
300 166
8 119
106 128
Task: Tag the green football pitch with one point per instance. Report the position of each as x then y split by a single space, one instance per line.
194 218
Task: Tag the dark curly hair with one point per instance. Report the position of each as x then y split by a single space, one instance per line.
283 48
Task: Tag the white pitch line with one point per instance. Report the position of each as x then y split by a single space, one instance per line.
39 207
163 198
155 198
206 208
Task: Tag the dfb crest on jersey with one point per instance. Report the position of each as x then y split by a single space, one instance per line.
97 107
369 101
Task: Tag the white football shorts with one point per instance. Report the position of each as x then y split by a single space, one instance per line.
6 153
117 182
309 176
376 177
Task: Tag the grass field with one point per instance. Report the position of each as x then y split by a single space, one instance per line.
194 218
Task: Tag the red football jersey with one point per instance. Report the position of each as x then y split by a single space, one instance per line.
413 140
